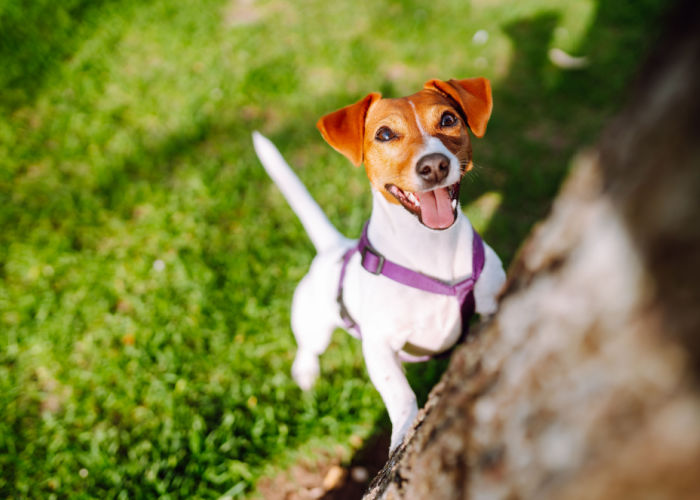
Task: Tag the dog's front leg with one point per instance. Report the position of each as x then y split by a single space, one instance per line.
387 375
489 285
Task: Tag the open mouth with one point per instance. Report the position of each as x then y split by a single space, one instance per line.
436 209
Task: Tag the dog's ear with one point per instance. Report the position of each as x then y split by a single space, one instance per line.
345 129
473 95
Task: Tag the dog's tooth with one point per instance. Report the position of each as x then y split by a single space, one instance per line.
454 204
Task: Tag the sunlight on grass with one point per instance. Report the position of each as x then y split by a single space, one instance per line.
146 261
574 24
482 210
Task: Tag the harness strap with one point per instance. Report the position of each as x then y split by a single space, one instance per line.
350 324
375 263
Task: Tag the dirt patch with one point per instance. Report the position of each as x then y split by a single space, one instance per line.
327 478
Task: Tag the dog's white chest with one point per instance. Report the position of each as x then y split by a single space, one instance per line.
399 313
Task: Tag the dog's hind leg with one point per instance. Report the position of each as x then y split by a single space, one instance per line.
313 322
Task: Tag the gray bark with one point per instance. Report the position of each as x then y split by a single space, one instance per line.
585 384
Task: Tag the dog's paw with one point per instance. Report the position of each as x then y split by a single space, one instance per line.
305 370
395 442
398 432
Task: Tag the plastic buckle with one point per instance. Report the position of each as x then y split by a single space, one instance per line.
379 267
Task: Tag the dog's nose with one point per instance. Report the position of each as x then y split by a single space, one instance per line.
433 168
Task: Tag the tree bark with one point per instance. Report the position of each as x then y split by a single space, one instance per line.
585 384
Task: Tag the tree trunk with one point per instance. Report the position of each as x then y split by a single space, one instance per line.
585 384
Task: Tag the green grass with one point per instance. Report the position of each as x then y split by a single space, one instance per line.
147 263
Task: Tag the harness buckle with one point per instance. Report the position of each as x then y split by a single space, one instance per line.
380 265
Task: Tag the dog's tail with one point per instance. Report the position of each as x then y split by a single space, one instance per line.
322 233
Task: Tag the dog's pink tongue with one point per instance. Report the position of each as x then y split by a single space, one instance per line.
436 208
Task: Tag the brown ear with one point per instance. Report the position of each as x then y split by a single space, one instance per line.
345 129
474 97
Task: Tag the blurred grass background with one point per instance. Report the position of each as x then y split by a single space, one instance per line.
147 263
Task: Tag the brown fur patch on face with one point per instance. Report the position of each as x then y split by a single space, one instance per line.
393 161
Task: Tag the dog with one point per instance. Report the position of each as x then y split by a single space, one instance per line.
409 285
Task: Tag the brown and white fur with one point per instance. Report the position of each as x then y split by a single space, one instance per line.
415 150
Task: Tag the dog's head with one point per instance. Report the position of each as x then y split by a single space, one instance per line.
415 149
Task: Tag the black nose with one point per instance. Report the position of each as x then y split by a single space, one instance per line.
433 168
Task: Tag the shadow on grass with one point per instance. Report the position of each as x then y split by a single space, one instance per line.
543 115
36 38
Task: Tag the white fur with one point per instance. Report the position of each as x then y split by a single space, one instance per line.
390 314
415 114
434 145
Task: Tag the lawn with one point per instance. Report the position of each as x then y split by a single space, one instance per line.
146 261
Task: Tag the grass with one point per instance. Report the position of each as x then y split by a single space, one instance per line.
147 263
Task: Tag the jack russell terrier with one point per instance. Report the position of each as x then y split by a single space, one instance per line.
408 286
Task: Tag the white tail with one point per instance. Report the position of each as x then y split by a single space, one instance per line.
322 233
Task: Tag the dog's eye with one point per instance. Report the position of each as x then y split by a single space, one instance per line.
385 134
448 120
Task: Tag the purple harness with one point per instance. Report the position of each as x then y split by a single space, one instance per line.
377 264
